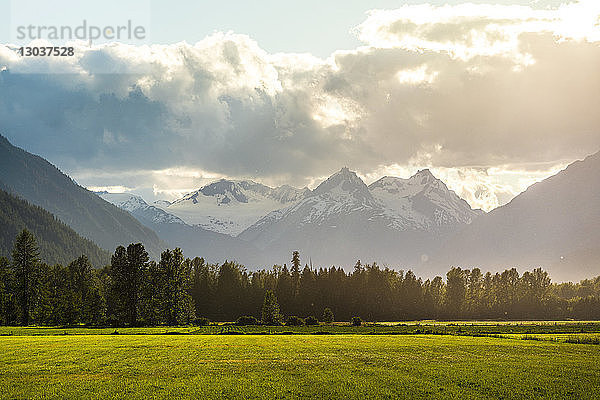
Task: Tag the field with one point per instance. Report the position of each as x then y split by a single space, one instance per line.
141 363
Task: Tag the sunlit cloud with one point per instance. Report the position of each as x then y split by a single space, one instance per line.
471 30
110 189
471 91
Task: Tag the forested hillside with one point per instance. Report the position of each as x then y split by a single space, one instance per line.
41 183
58 243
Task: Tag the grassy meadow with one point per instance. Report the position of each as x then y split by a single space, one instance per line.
360 362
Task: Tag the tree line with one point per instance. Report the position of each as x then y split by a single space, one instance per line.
134 290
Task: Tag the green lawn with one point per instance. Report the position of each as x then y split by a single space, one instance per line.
419 327
295 366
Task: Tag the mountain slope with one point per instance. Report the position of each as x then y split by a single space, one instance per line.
422 201
193 240
230 206
39 182
554 224
343 220
57 242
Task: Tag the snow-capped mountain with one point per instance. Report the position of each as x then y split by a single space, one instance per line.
230 206
394 219
339 197
421 201
136 206
193 240
162 203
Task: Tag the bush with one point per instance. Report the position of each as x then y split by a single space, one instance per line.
294 321
311 321
328 315
202 321
246 320
356 321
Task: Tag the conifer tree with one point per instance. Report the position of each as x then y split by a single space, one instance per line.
25 265
175 301
127 273
7 306
295 272
270 309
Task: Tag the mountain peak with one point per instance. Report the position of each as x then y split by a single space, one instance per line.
344 180
425 175
345 172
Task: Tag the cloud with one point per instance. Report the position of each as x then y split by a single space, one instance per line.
448 87
471 30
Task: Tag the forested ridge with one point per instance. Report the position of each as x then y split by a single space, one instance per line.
134 291
39 182
58 243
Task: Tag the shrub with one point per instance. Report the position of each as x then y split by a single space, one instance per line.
311 321
356 321
328 315
202 321
246 320
294 321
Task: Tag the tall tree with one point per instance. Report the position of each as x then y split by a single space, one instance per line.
26 265
175 301
270 309
127 272
295 274
474 296
229 293
284 289
84 283
307 291
202 286
456 289
7 301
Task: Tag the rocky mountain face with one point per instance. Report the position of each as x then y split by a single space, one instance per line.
422 202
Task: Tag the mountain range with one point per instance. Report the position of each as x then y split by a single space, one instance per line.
393 220
230 206
339 222
194 240
415 223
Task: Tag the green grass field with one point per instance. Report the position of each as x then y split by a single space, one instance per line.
509 328
46 364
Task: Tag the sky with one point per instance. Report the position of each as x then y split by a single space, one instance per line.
490 97
313 26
